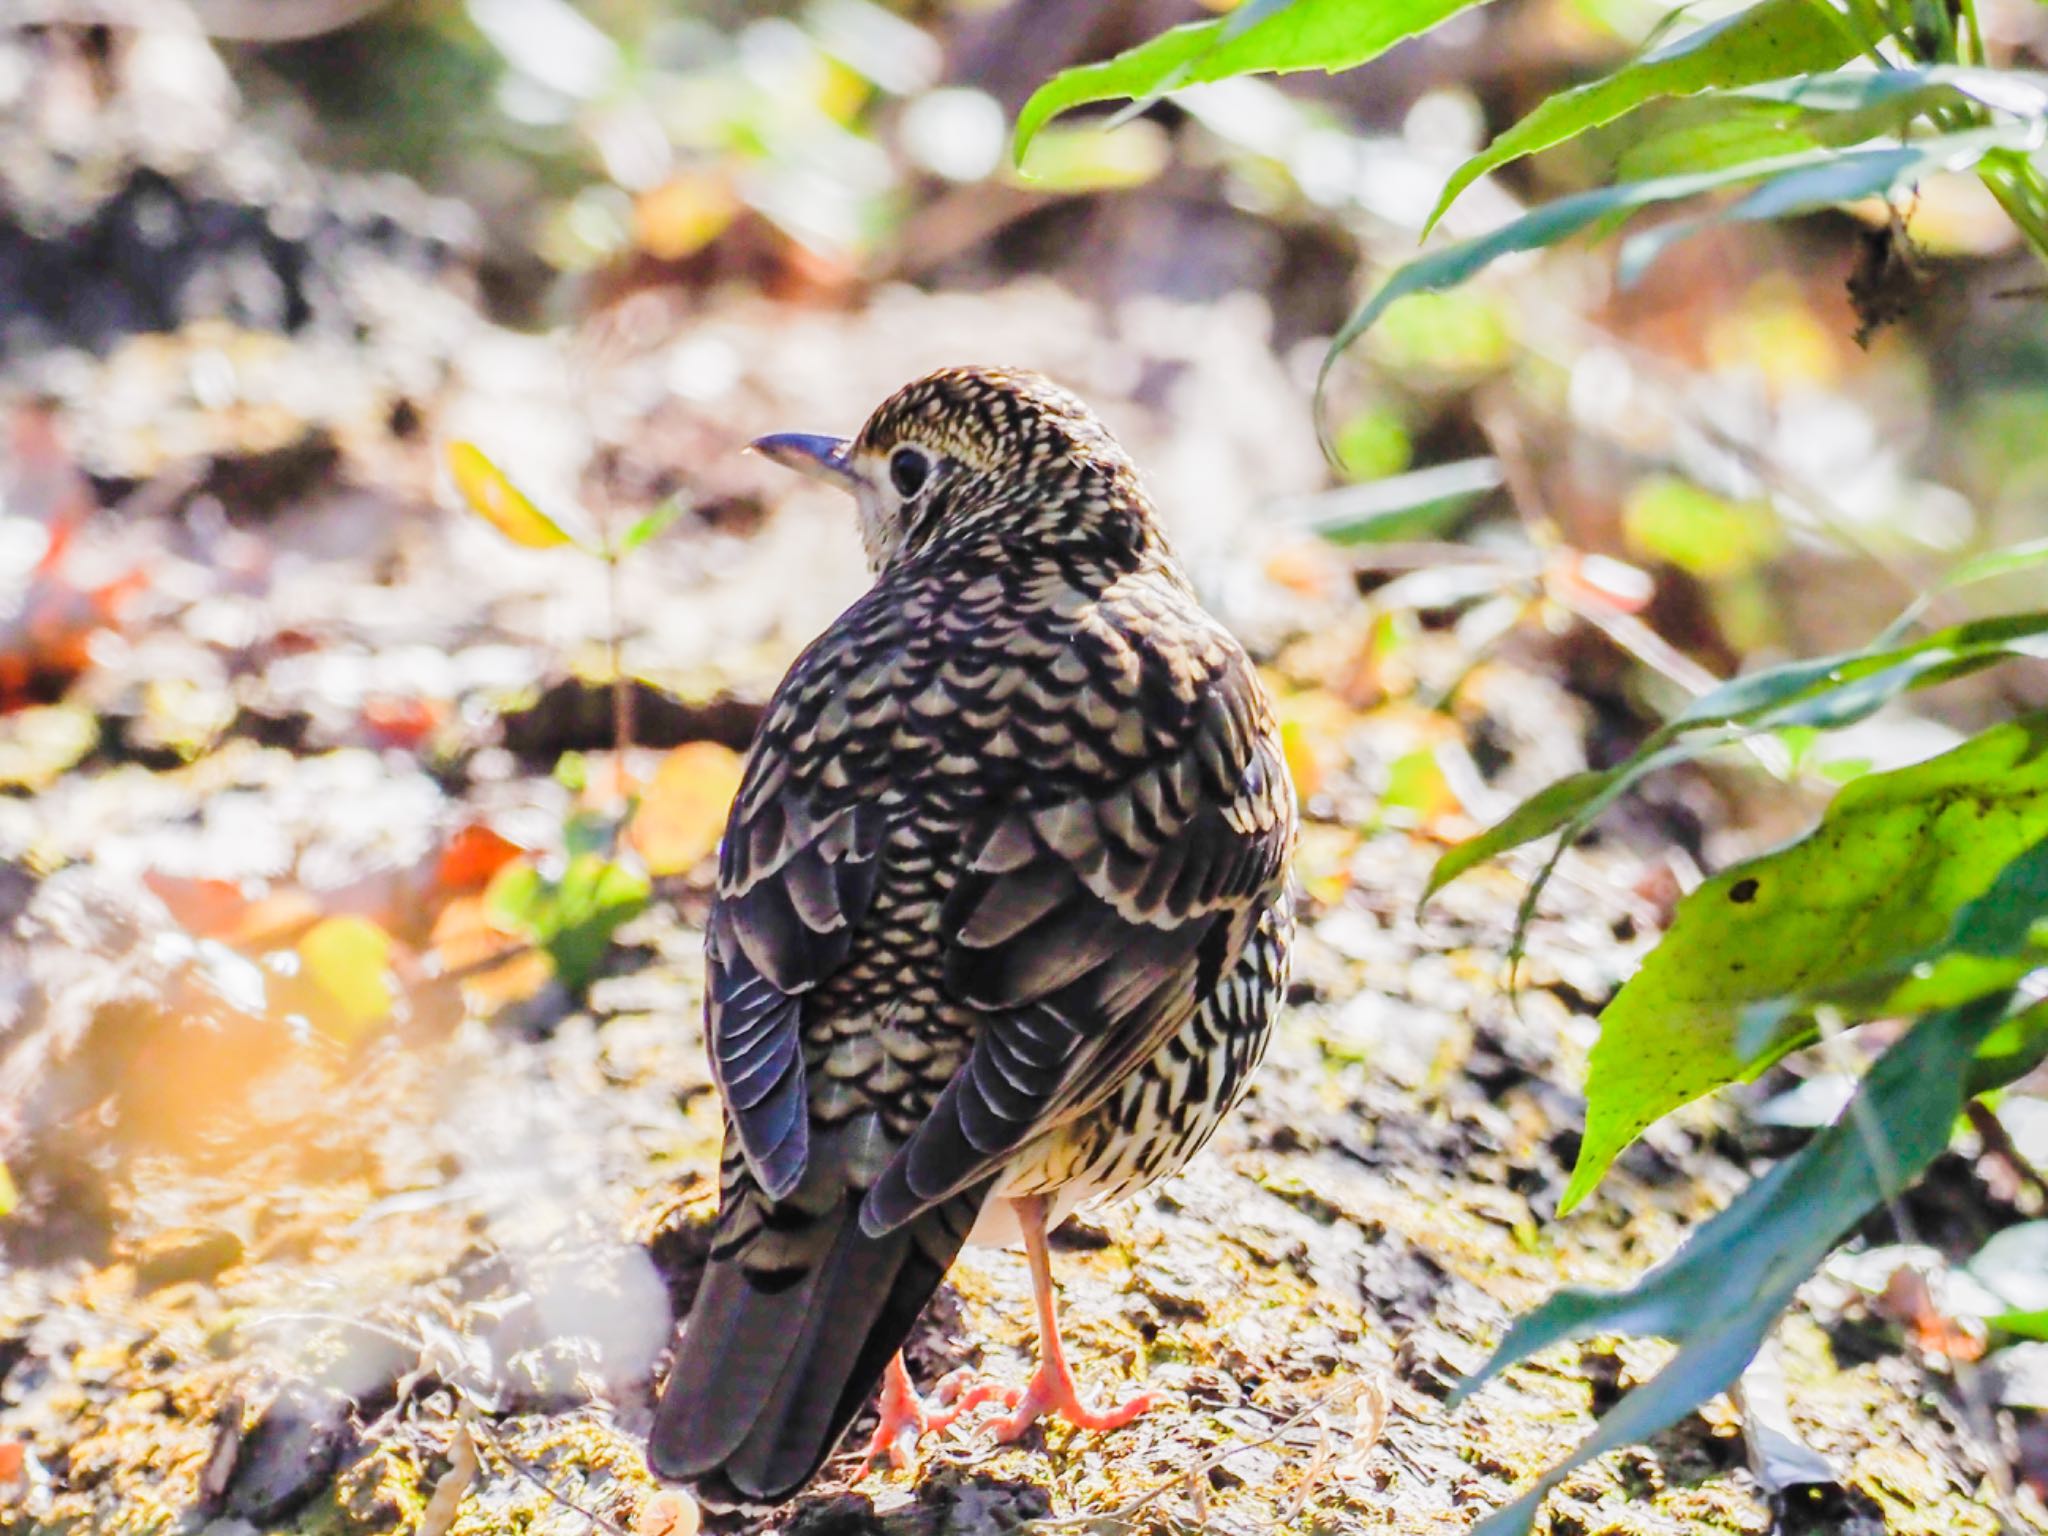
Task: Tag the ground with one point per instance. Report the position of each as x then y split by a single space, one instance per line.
284 1261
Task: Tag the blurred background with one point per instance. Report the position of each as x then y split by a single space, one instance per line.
356 844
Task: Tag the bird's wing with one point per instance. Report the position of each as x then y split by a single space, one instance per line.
1084 929
793 884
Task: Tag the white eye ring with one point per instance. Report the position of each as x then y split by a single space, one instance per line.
909 468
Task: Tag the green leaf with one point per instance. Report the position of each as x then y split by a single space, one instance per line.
1761 700
1826 692
1768 41
1546 225
1894 858
1989 566
1793 183
1329 35
1847 177
597 897
1538 816
573 915
1768 1240
2014 1049
1711 133
651 525
1705 535
1908 91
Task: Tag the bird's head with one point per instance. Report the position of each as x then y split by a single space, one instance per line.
973 455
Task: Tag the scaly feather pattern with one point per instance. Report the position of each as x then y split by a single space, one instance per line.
1002 908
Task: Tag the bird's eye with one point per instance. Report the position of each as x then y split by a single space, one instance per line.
908 468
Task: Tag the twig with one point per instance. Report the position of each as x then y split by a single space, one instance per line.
471 1422
488 1434
1998 1143
1123 1514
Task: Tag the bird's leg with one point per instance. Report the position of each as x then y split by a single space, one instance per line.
901 1409
1052 1388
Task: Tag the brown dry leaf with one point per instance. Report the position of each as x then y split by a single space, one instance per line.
1909 1301
683 809
439 1515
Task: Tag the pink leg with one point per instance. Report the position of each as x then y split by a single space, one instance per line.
1052 1388
901 1410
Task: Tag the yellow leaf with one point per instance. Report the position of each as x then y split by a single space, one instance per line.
683 809
494 498
9 1196
349 959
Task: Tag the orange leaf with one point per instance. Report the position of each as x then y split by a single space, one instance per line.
493 497
13 1456
683 809
464 936
472 856
405 723
223 910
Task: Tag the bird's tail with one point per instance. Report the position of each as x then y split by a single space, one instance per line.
773 1365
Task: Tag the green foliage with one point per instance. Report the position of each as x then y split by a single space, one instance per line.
1263 38
1895 858
1922 894
571 914
1760 100
1769 41
1766 1242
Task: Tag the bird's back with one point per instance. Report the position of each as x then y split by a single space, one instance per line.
1004 877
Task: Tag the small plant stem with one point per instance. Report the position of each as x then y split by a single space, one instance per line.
622 692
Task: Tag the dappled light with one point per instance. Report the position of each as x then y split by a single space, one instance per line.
731 735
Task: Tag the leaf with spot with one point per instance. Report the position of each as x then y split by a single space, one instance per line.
1893 861
1827 692
1719 1295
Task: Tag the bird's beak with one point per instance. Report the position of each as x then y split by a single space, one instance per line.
822 458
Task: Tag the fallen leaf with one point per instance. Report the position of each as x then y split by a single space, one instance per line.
10 1197
465 939
13 1460
224 910
349 959
406 723
683 809
38 744
493 497
451 1487
472 856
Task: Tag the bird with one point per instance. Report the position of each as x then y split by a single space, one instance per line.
1002 919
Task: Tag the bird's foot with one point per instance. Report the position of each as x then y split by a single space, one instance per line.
905 1420
1052 1391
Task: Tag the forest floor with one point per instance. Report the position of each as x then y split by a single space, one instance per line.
286 1260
